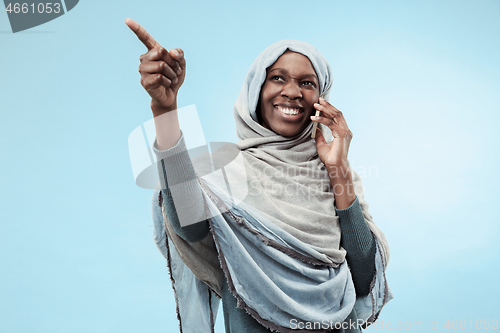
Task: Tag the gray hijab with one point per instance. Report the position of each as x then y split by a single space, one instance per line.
286 179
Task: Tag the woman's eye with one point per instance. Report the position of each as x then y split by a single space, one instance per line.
277 78
309 83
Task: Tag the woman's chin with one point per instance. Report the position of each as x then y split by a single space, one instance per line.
289 131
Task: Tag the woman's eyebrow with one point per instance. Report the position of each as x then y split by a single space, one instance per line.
301 76
278 69
309 75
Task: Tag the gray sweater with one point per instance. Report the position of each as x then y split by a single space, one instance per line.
356 237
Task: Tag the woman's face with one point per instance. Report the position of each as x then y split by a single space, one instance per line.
288 93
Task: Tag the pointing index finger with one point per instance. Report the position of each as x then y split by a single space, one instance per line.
141 33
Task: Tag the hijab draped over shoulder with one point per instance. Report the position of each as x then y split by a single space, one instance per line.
286 178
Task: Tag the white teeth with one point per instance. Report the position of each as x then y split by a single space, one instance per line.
288 111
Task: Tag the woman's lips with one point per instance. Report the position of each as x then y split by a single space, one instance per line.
289 112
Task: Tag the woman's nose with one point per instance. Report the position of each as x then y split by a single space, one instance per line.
291 90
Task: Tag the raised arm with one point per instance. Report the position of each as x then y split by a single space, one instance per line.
181 192
356 238
162 74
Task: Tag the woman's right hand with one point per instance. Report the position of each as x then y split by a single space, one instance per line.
162 71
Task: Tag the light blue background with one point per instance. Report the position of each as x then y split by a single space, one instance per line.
418 82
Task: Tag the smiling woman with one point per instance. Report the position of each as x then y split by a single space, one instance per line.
291 247
288 94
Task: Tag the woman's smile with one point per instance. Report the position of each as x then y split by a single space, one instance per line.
292 113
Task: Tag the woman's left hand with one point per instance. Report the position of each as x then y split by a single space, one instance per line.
333 153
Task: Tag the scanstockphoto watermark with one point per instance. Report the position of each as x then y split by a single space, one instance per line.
257 187
285 170
303 182
25 15
327 325
352 325
454 324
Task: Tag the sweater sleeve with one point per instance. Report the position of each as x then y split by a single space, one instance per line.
181 192
357 239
